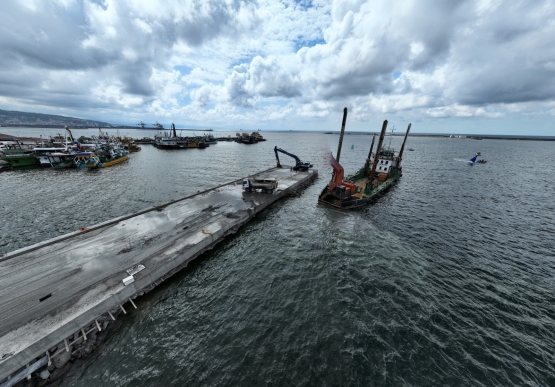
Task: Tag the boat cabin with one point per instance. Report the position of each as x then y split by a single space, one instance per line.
387 161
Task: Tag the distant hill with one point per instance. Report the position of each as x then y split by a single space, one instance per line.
13 118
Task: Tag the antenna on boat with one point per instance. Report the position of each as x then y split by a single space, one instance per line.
391 136
341 135
380 141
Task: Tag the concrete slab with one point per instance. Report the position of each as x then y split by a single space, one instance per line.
52 289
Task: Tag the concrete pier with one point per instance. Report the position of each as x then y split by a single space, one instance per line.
58 288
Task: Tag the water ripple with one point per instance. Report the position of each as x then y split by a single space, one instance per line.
447 280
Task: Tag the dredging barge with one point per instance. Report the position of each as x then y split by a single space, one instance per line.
57 294
380 172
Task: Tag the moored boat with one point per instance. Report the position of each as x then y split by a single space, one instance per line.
85 159
60 160
109 156
209 139
19 155
50 155
171 140
145 140
376 177
116 159
20 159
130 145
108 151
5 166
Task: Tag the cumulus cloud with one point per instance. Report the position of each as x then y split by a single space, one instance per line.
245 61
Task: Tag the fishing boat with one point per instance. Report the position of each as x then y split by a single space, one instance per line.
60 160
116 159
209 139
5 166
85 159
48 155
171 140
109 156
129 144
253 138
109 151
376 177
145 140
195 142
19 155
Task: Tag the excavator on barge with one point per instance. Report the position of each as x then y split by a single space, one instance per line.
377 176
299 165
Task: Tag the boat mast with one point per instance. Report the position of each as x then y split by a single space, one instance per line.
399 158
174 132
341 135
380 141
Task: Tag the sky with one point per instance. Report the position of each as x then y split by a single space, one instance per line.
446 66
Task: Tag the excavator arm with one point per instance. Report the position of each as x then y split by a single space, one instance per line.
70 135
337 178
276 150
298 162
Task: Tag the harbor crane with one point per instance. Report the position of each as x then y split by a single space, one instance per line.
299 165
141 124
158 125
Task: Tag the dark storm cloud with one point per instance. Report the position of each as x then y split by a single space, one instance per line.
432 24
50 39
411 54
369 70
114 39
135 77
508 57
454 52
213 18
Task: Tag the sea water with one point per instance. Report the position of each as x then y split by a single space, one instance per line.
448 280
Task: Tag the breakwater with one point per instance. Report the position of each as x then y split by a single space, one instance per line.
61 291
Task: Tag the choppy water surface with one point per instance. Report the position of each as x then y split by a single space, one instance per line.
448 280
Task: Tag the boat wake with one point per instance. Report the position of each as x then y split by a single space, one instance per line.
466 161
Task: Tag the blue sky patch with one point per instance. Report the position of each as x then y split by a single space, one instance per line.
183 70
308 43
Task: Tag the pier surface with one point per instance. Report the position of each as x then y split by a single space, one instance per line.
55 288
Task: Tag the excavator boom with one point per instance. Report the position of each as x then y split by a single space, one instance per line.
298 162
337 178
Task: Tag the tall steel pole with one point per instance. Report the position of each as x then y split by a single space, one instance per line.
403 147
371 146
382 134
341 135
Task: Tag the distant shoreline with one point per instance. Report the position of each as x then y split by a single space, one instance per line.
461 136
74 127
93 127
443 135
